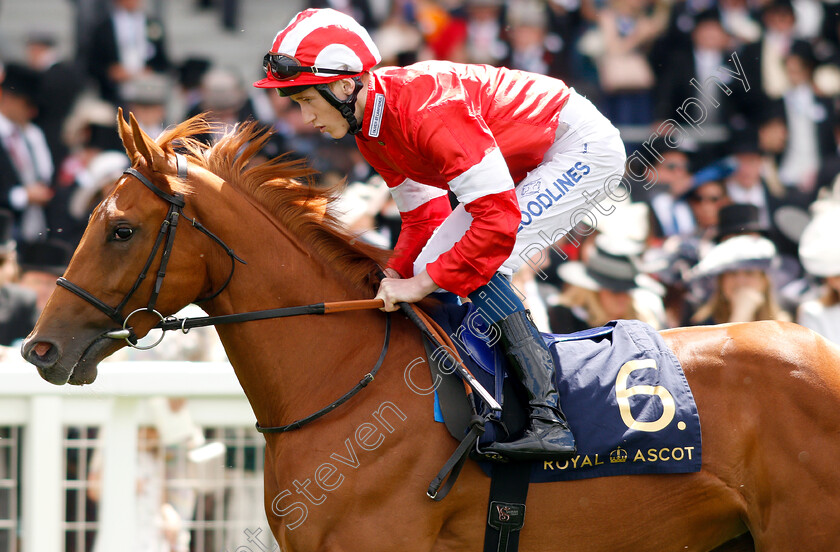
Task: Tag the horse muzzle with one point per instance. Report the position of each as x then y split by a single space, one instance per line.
59 366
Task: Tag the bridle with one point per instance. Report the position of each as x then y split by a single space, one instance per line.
165 239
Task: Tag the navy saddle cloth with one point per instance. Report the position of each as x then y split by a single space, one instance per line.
622 389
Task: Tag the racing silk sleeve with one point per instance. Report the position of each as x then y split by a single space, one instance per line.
422 209
459 143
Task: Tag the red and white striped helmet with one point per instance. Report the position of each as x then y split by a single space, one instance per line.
325 45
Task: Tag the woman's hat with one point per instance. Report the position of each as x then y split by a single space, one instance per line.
104 169
629 222
739 218
747 252
818 248
608 266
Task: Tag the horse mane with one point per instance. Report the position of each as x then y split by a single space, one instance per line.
284 187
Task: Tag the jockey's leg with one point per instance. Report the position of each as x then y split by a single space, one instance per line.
548 435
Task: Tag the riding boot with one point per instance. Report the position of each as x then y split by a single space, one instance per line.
548 436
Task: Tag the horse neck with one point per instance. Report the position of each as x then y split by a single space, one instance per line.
279 362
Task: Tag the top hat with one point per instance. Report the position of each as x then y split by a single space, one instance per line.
21 80
778 6
49 256
604 269
709 14
739 218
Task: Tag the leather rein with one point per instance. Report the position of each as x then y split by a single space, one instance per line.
166 239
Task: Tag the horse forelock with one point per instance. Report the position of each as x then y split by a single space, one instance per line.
282 186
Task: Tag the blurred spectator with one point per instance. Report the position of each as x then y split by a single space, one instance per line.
608 285
92 185
357 207
674 260
398 38
190 73
809 18
160 526
747 183
124 45
706 198
224 98
628 28
360 10
742 290
764 61
40 264
810 122
755 180
444 28
146 97
672 173
738 20
26 168
485 32
700 65
821 258
18 305
90 130
61 83
531 48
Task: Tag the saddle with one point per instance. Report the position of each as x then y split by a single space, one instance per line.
622 389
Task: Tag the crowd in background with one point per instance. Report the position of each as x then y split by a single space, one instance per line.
728 110
728 211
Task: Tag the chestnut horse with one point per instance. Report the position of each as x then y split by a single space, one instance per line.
768 393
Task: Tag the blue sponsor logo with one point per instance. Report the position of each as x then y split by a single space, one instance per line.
552 193
531 188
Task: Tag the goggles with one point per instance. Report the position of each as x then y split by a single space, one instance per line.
282 67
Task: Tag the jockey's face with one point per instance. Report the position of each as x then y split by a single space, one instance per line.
318 112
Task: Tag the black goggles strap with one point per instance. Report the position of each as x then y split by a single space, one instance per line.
274 66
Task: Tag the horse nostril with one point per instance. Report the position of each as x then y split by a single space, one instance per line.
41 349
42 354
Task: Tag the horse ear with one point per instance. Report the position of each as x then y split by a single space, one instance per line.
154 155
125 135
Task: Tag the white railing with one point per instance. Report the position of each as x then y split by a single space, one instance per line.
116 403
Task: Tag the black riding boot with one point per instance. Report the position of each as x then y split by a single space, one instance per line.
548 436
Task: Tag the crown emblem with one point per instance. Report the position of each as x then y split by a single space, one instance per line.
618 456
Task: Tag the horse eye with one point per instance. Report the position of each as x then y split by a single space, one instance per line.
123 233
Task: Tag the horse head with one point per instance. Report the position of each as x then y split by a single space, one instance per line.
117 272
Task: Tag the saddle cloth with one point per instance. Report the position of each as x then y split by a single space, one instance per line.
622 389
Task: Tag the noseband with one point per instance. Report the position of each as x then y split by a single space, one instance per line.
165 238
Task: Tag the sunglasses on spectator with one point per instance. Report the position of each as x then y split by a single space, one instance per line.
282 67
675 166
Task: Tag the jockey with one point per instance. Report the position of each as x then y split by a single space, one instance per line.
521 152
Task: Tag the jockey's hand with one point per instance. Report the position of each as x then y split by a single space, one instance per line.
391 273
409 290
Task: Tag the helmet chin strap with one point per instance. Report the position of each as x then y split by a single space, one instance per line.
347 107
